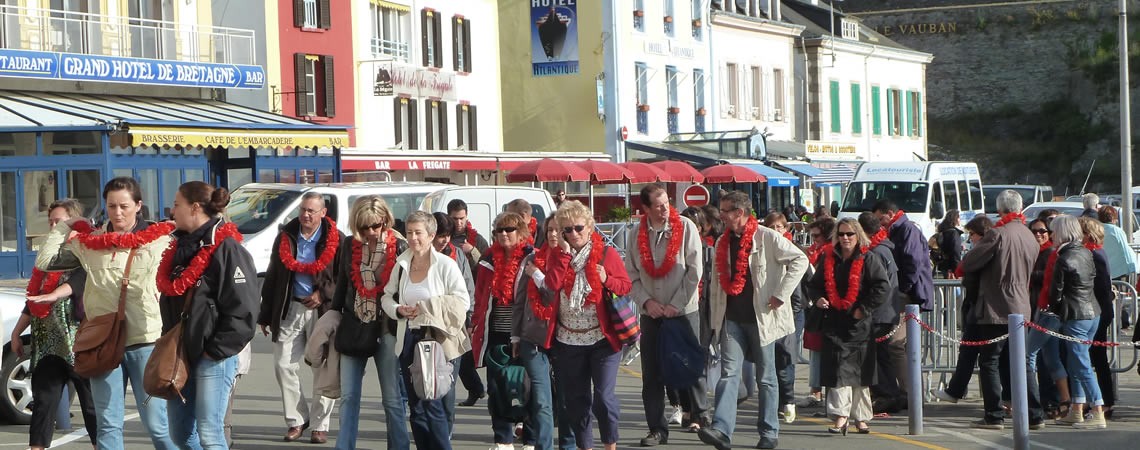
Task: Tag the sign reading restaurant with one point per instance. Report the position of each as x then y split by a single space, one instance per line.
114 69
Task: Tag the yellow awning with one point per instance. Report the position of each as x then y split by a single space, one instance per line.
390 5
220 137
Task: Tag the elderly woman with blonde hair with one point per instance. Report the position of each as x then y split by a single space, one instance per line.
584 273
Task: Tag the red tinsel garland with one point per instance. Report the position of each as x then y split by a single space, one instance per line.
503 285
853 280
788 235
898 215
878 237
107 241
315 267
42 283
1009 218
1047 281
597 250
385 273
452 252
1093 247
543 312
197 266
814 251
472 235
741 266
533 227
1047 244
677 234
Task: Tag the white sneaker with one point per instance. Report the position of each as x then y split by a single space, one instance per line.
503 447
942 395
789 413
675 416
528 447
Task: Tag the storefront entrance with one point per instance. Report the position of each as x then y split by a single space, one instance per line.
25 195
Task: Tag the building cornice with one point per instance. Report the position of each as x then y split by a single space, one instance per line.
868 49
742 22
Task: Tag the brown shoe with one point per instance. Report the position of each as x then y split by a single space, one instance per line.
294 433
319 437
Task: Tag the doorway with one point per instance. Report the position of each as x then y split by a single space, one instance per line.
25 197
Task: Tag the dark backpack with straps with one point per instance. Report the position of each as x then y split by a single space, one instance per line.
511 386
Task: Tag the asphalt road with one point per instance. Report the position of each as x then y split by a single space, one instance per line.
259 425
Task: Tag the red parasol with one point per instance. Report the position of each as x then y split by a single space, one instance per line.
680 171
731 173
605 172
547 169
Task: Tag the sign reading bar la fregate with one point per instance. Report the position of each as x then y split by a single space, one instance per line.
115 69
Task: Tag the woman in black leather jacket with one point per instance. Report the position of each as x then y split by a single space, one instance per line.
1072 299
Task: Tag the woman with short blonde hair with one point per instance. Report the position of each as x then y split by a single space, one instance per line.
367 211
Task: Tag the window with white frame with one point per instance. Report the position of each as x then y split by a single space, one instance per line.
310 14
461 40
757 109
669 18
404 113
850 29
639 15
732 80
672 80
778 95
314 87
698 88
435 122
642 73
389 32
698 14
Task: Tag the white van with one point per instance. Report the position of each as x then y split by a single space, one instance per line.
486 202
924 190
1030 194
260 209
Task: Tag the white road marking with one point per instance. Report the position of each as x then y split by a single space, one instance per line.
944 428
81 433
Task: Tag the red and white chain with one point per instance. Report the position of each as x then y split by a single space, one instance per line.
884 337
953 339
1065 337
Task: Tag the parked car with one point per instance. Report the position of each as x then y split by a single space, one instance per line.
1030 194
16 371
486 202
1075 209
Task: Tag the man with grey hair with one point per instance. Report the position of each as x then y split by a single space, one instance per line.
1003 262
1090 201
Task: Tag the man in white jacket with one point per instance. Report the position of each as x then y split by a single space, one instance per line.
754 273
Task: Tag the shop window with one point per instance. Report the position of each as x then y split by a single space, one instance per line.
405 115
8 215
435 122
85 186
17 144
432 38
171 179
152 204
71 143
312 14
389 32
315 93
266 176
466 124
461 42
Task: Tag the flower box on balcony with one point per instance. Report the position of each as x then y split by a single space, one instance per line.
643 108
668 19
674 110
638 13
697 23
702 111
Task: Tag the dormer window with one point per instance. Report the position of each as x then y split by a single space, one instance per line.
850 29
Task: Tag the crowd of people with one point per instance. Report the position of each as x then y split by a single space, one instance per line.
721 299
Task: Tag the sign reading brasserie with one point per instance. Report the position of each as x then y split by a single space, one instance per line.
236 138
554 37
114 69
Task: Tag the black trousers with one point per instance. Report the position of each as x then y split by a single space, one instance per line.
989 360
887 387
652 388
49 377
469 376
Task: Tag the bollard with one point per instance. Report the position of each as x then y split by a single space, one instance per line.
914 369
63 413
1017 368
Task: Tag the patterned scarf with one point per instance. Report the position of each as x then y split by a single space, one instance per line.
370 264
577 295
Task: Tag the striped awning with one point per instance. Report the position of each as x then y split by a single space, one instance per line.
837 174
392 5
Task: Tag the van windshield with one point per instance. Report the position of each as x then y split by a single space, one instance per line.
992 195
254 209
862 195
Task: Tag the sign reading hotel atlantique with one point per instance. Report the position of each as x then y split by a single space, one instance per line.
115 69
554 37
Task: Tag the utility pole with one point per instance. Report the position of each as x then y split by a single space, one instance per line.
1127 202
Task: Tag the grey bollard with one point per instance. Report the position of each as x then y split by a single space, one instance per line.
914 369
1017 368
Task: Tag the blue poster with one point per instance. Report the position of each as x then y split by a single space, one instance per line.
554 37
115 69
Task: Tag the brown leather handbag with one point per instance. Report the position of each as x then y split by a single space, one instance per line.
167 369
101 341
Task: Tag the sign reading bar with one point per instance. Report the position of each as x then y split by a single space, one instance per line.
831 150
236 138
115 69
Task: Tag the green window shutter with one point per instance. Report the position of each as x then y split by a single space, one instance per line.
918 113
835 125
909 114
876 112
856 105
890 113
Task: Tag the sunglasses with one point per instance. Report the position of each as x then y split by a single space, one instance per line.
1040 231
574 229
375 226
846 234
505 230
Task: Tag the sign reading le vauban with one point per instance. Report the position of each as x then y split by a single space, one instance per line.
115 69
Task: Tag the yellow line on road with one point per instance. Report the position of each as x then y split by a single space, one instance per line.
825 422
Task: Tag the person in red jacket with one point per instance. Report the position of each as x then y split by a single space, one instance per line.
586 349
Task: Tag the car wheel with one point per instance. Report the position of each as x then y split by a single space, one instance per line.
15 404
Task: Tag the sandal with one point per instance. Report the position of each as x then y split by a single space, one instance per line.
1063 409
864 429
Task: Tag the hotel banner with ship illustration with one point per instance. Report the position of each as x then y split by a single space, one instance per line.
554 37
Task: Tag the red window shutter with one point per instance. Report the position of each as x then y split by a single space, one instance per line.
326 14
413 133
398 114
330 91
442 125
300 71
298 13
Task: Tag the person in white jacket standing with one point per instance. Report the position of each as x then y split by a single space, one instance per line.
754 273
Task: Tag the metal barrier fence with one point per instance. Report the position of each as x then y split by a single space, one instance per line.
615 234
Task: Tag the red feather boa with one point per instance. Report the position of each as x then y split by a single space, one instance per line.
42 283
1093 247
533 227
106 241
674 247
315 267
452 251
543 312
507 266
1047 281
736 286
1009 218
385 273
814 251
597 250
854 278
193 272
878 237
472 235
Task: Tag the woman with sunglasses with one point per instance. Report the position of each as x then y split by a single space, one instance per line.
849 284
366 259
584 273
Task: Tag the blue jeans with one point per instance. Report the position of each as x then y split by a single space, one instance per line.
109 393
1048 346
737 340
207 394
1085 387
352 377
537 366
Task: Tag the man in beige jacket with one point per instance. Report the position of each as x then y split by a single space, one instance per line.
665 285
749 311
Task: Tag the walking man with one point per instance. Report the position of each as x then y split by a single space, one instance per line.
749 312
665 263
299 286
473 246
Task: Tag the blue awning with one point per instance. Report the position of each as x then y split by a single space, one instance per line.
801 168
776 178
835 175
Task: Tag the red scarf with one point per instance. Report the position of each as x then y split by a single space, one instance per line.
788 235
1009 218
315 267
1047 281
854 277
452 251
898 215
533 227
597 251
1093 247
736 286
503 284
677 233
542 312
1046 245
385 273
106 241
193 272
42 283
472 235
878 237
709 241
814 251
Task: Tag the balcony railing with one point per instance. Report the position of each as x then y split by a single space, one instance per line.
699 123
311 14
395 49
642 121
51 30
673 121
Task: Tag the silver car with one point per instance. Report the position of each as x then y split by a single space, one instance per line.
16 372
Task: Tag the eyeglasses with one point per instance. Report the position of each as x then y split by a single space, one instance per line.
816 235
1040 231
375 226
845 234
730 211
505 230
573 229
311 211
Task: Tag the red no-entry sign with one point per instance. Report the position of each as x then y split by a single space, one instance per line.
624 133
696 195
